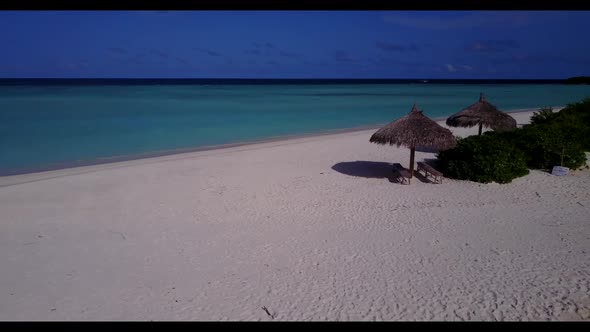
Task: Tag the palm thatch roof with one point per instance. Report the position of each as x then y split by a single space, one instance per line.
482 113
415 130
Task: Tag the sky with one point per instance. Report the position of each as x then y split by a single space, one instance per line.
294 44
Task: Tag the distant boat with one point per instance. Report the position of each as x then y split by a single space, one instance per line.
424 81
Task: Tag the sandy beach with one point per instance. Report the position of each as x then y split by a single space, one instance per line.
310 228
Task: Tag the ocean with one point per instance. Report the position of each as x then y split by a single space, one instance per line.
50 124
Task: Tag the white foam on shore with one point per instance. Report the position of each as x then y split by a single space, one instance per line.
309 228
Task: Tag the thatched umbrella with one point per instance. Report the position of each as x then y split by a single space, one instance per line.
484 114
414 130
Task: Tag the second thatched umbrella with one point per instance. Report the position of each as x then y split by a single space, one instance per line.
414 130
484 114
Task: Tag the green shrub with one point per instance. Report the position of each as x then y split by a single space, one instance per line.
574 119
551 139
486 158
550 144
543 116
555 138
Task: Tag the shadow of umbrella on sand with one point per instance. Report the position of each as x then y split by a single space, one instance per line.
415 130
482 113
366 169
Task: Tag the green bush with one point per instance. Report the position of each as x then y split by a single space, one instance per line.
551 139
549 144
574 120
543 116
486 158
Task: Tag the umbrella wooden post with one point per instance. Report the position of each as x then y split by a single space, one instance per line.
412 150
479 130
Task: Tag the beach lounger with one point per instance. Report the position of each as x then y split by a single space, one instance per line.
429 171
403 176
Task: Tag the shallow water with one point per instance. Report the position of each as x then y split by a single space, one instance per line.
42 125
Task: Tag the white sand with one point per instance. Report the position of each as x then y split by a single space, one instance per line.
217 235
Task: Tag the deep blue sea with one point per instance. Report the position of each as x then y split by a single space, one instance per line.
53 123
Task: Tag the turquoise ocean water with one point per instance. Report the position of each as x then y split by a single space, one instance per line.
44 127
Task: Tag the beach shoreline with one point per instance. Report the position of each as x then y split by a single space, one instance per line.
9 176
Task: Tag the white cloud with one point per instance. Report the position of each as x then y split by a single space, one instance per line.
469 20
451 68
73 65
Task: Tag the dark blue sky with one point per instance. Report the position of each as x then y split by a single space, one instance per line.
294 44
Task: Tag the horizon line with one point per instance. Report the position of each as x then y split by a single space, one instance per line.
254 78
